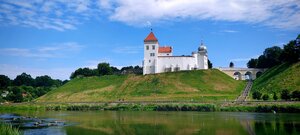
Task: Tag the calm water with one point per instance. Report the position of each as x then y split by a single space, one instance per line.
156 123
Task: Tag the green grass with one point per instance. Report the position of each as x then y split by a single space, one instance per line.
284 76
279 107
200 85
7 129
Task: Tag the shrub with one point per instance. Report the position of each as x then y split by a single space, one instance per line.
256 95
275 97
296 95
265 97
285 94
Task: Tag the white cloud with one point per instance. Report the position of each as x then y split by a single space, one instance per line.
59 15
275 13
229 31
51 51
67 14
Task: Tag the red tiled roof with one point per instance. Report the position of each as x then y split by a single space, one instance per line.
166 49
150 37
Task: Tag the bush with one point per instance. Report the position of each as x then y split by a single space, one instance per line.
275 97
285 94
296 95
265 97
256 95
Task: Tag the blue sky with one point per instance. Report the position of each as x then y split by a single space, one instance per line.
56 37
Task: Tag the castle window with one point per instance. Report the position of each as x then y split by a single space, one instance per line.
153 47
147 47
149 61
152 54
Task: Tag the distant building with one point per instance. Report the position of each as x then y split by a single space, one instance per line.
159 59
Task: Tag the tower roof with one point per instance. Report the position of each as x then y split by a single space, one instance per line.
151 37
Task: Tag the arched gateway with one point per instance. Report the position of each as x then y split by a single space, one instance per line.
243 73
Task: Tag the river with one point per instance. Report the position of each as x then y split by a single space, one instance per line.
156 123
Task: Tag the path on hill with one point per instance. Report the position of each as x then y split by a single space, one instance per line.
244 95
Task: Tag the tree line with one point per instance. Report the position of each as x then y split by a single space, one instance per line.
26 88
106 69
290 53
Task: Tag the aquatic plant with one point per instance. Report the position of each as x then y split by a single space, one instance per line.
8 129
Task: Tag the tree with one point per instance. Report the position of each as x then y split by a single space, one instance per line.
296 95
45 81
231 65
252 63
272 55
256 95
4 81
24 79
210 65
285 94
15 94
104 69
265 97
291 52
275 97
84 72
262 62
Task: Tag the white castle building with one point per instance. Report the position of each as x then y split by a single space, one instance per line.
159 59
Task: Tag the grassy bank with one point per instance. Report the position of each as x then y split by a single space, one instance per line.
202 107
199 85
7 129
278 78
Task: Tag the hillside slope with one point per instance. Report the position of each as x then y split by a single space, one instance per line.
280 77
200 85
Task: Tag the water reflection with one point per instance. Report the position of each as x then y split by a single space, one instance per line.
156 123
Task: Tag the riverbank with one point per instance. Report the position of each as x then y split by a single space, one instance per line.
281 107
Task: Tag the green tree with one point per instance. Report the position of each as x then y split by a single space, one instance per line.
252 63
291 52
15 94
265 97
210 65
83 72
275 97
273 55
45 81
231 64
256 95
4 81
296 95
24 79
285 94
104 69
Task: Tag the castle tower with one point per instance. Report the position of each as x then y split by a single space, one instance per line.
202 57
151 47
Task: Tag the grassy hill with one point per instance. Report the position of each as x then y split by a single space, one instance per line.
200 85
284 76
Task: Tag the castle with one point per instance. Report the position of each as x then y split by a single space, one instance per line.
159 59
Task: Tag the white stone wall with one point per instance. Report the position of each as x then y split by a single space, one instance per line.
165 54
149 62
183 62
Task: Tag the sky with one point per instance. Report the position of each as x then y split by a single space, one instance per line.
43 37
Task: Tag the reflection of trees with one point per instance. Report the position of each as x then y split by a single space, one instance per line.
276 127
